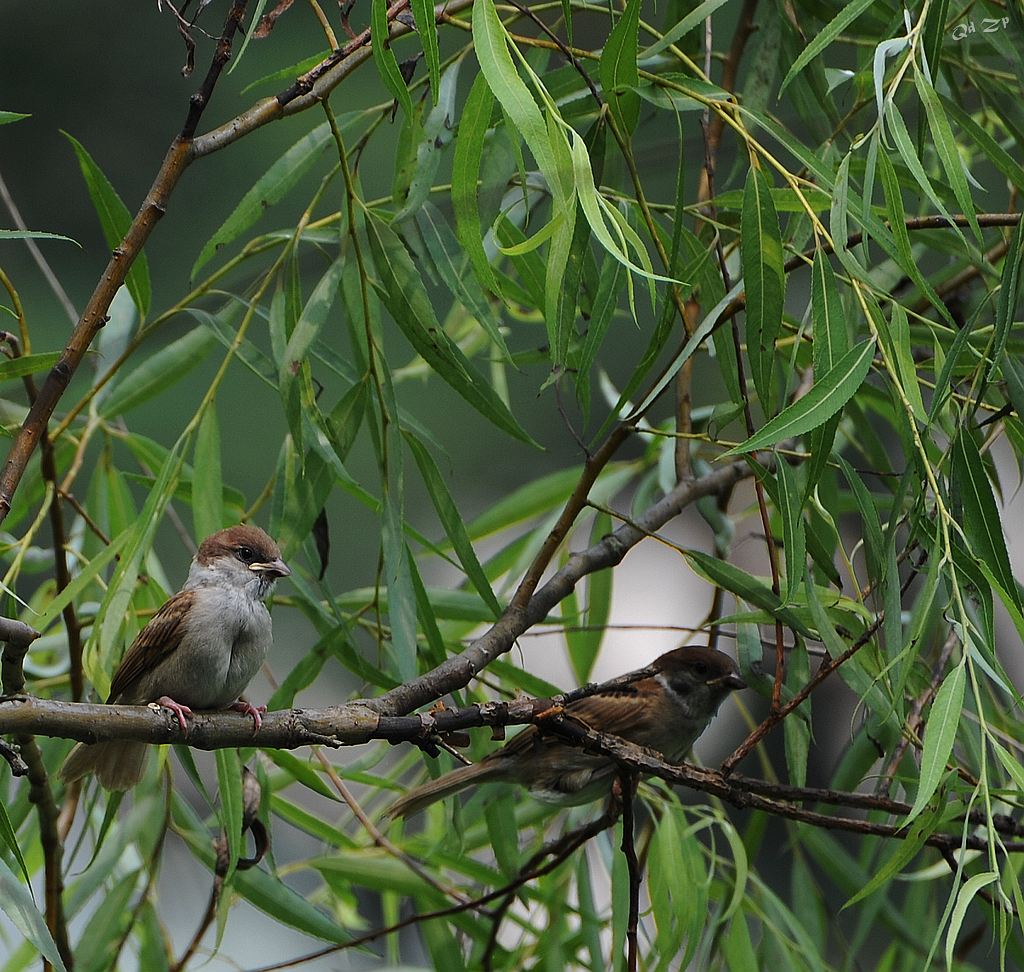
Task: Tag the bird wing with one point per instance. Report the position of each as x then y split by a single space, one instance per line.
615 712
153 643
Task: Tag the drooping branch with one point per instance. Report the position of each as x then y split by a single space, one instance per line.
456 672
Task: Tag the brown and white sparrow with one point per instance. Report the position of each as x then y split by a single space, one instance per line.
199 651
665 712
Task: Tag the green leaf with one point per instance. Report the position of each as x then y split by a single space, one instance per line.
867 506
947 150
346 418
764 279
737 947
944 385
583 646
104 644
1009 294
831 336
982 525
397 569
601 313
566 257
8 117
449 261
426 27
596 209
270 188
745 586
261 888
831 342
10 839
402 292
793 534
447 605
469 149
504 835
996 154
207 479
846 16
786 199
229 785
79 583
826 397
384 56
693 342
158 372
679 30
424 147
1010 764
254 22
618 70
309 324
935 32
904 851
451 520
797 727
903 352
27 364
18 905
35 235
939 736
115 221
289 73
964 897
491 42
905 146
526 502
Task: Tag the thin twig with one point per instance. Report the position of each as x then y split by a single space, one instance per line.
380 840
37 254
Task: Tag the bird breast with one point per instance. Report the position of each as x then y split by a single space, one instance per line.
226 640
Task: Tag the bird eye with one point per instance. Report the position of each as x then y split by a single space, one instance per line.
701 669
245 554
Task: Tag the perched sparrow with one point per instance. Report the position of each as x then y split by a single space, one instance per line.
665 712
199 651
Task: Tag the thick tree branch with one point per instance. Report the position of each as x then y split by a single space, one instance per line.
355 723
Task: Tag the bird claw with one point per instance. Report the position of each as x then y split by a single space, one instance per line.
255 712
166 702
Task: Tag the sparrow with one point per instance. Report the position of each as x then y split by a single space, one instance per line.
665 712
199 651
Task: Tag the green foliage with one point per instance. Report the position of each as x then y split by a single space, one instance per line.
428 355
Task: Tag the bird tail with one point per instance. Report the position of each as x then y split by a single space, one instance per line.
444 786
117 765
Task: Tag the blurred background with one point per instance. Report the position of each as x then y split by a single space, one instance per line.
110 76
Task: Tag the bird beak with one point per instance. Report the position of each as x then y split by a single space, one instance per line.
277 568
732 682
